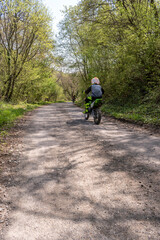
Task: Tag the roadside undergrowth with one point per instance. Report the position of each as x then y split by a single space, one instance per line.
146 113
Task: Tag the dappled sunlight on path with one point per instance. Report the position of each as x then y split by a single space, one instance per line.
80 181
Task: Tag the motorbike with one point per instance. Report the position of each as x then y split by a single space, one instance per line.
95 111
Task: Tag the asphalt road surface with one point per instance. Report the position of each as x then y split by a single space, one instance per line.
81 181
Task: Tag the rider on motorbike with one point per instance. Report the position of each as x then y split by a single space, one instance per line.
96 92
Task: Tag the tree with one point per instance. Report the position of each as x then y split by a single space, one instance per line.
117 41
24 34
70 84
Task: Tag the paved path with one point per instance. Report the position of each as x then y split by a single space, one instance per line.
80 181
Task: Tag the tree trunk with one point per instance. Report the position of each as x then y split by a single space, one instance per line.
11 89
9 82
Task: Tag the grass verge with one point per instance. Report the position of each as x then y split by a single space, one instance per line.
10 112
146 113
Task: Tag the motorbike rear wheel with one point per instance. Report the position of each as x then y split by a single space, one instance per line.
97 116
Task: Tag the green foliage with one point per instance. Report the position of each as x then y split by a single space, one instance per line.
146 113
41 84
26 52
119 42
70 84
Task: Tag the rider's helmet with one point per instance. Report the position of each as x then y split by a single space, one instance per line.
95 80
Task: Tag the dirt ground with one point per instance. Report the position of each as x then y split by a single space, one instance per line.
64 178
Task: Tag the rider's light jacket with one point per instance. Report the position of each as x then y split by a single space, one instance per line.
96 91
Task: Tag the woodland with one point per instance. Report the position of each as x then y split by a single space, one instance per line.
117 41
